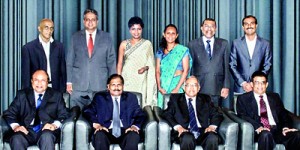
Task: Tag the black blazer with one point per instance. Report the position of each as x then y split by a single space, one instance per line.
178 113
101 110
34 58
22 110
247 109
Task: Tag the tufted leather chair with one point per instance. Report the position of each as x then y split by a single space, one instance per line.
67 130
228 131
246 131
84 131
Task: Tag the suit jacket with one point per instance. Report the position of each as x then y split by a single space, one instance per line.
178 113
213 75
247 109
90 73
242 67
101 110
33 58
22 110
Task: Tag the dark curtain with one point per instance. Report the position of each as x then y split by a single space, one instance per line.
278 22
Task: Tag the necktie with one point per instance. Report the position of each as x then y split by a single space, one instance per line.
193 123
208 49
116 131
37 122
90 45
263 113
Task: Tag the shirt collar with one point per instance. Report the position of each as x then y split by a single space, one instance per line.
88 33
212 40
41 40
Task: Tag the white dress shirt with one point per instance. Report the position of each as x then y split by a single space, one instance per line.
212 41
251 45
46 47
269 112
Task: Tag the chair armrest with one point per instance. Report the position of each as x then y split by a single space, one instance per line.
67 133
164 130
150 129
246 131
83 131
295 120
4 129
228 130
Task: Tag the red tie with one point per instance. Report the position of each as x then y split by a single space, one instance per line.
263 113
90 46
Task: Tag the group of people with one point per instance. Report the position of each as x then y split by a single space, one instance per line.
199 73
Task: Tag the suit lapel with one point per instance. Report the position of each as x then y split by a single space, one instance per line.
184 108
216 49
254 104
202 50
245 47
109 103
83 43
257 48
97 38
41 53
272 107
31 98
46 98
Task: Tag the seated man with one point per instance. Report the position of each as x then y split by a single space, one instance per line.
116 116
36 114
266 113
193 117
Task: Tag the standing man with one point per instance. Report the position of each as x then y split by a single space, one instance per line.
116 116
193 118
47 54
266 113
210 62
90 60
249 53
36 115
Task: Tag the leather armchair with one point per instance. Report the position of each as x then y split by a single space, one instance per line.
67 130
228 131
84 132
246 131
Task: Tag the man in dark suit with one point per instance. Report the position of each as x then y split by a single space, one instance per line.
116 116
193 117
47 54
266 113
90 60
210 62
36 115
249 53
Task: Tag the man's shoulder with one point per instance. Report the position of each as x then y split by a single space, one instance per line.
221 40
203 97
192 42
259 38
32 43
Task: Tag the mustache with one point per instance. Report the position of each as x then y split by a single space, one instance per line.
249 28
117 90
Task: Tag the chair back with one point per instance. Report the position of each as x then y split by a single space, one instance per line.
166 100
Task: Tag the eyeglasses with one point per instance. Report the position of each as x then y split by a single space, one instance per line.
90 20
191 85
260 82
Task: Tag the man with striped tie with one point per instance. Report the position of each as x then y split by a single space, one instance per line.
266 113
36 115
193 117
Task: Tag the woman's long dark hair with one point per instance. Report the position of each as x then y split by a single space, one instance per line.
163 43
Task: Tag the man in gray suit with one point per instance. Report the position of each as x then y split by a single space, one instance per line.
249 53
91 59
210 62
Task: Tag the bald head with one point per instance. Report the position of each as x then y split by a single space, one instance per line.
46 29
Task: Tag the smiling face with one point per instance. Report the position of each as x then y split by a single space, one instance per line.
115 87
170 35
191 86
136 31
208 28
39 81
249 26
90 22
46 29
259 85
